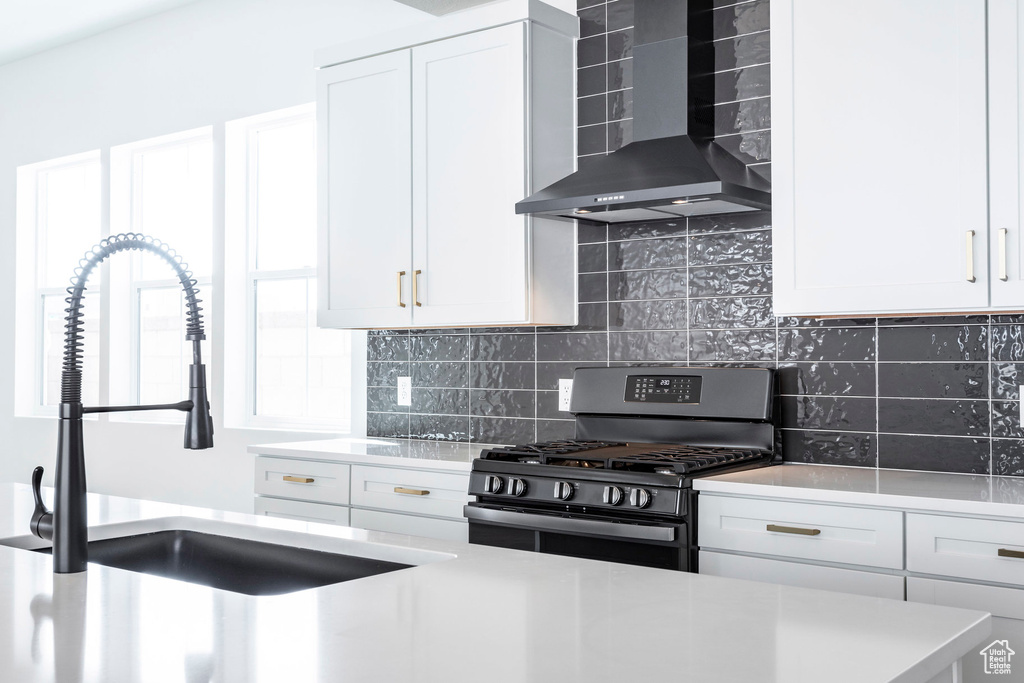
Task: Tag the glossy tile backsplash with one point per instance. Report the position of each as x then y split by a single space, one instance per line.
914 393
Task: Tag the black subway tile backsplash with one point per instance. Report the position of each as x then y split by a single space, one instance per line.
933 416
502 375
829 448
956 342
941 380
641 254
827 379
923 392
945 454
851 414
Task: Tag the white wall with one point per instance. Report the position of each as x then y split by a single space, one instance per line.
202 64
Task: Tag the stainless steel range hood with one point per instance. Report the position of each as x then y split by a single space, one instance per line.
673 167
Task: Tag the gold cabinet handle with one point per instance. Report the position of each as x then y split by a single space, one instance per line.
416 287
1002 254
793 530
400 274
970 257
298 480
1006 552
412 492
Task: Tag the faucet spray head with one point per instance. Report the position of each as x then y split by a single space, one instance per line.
198 421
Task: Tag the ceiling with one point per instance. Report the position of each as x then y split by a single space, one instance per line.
31 26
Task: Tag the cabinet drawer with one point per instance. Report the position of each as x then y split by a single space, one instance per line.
966 548
430 527
301 510
801 575
441 494
830 533
999 600
318 482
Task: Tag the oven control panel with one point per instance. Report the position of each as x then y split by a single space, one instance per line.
567 490
663 389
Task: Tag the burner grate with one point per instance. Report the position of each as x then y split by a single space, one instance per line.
530 451
683 459
658 458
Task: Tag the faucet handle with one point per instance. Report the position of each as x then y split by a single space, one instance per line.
42 519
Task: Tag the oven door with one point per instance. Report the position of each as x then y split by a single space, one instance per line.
654 544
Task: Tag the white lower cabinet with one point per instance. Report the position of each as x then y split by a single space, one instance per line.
301 510
395 499
893 552
801 575
431 527
830 533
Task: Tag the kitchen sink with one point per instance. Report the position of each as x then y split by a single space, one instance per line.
233 564
239 558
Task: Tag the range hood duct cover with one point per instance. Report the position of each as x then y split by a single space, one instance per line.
673 167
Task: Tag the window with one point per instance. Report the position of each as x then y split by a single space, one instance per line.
294 372
280 370
58 221
162 188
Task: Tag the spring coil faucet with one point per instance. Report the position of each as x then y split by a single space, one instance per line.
66 524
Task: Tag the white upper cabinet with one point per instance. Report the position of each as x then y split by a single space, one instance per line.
468 172
424 151
365 184
1006 106
880 124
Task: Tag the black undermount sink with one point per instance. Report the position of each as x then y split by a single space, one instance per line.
233 564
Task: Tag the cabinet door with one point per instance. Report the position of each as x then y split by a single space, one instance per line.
1006 104
841 580
365 175
879 156
469 171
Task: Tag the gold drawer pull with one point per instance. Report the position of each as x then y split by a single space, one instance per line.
298 480
1006 552
412 492
793 530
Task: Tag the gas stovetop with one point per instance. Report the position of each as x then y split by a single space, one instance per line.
627 457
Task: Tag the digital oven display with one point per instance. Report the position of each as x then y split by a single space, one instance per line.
662 389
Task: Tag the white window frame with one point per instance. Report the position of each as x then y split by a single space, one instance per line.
241 279
29 294
125 313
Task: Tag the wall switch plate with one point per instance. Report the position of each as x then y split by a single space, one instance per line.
405 391
564 393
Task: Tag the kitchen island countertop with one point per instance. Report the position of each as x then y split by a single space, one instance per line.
474 614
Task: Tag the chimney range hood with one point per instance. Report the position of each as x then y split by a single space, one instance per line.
673 167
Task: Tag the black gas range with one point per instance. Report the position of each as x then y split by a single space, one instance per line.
622 489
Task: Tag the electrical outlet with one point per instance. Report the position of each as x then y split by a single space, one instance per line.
564 393
405 391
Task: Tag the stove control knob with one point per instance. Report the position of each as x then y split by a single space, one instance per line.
563 490
516 487
640 498
612 495
492 484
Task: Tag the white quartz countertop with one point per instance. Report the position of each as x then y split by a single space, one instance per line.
434 455
925 491
471 614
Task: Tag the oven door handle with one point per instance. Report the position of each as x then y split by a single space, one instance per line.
572 525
